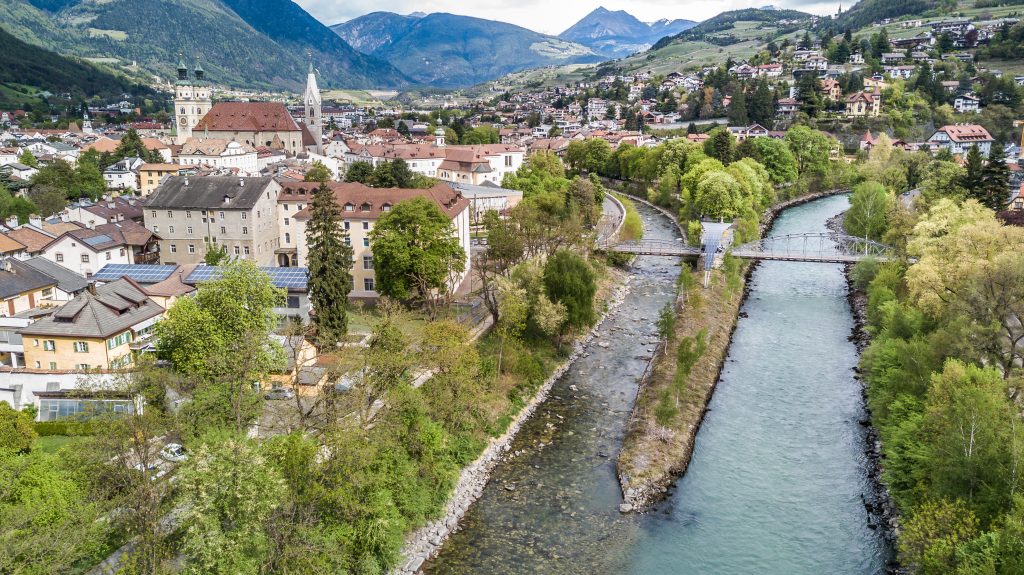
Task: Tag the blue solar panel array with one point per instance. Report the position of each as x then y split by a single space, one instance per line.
288 278
144 274
97 240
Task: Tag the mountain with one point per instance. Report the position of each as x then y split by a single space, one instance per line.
619 33
369 32
865 12
722 30
244 43
447 50
23 64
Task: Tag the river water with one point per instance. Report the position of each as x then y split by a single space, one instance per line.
778 469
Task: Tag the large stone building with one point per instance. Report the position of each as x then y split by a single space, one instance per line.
361 207
255 124
187 214
191 101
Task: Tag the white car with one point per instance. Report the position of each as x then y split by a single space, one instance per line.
173 452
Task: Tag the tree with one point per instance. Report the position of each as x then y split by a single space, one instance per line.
403 129
589 155
738 108
777 158
47 199
932 534
721 145
330 268
995 180
869 211
28 159
481 135
318 172
16 431
974 177
361 172
416 253
570 281
762 105
216 254
514 309
228 491
810 148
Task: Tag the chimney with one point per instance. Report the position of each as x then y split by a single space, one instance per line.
186 180
227 199
35 220
12 222
8 266
241 182
92 287
111 205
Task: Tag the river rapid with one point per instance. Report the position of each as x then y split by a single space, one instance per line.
778 472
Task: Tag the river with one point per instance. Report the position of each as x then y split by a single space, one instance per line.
778 469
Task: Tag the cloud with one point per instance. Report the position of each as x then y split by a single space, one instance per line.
544 15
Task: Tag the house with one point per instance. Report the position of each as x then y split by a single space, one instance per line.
597 109
69 284
744 132
787 107
904 72
108 210
863 104
875 83
773 70
253 124
892 57
831 89
958 138
32 237
819 63
22 287
21 171
123 174
150 176
187 213
488 197
362 206
84 251
219 153
857 59
92 331
967 104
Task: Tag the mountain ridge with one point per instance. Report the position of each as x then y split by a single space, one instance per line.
616 33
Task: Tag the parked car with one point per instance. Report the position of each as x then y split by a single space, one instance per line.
173 452
279 393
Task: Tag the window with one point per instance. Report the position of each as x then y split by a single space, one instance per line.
191 248
223 230
367 262
245 216
39 365
237 250
108 254
221 215
60 258
366 242
82 366
49 345
348 241
368 284
85 258
170 214
188 215
154 213
174 249
81 347
349 207
122 252
293 302
286 222
170 229
245 231
156 229
246 250
508 161
287 238
189 230
53 366
348 225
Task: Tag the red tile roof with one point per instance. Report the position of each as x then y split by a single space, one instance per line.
247 117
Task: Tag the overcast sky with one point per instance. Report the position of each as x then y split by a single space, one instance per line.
548 16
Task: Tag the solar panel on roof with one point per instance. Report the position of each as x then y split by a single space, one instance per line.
97 240
288 278
139 272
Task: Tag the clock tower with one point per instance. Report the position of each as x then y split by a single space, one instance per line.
191 100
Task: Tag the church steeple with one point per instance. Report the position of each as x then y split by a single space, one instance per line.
199 72
182 68
312 106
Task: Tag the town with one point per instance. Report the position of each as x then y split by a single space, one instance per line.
349 308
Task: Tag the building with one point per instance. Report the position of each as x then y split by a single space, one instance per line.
967 104
191 101
831 89
240 214
92 331
122 175
597 109
108 210
787 107
863 104
22 287
150 176
84 251
312 108
254 124
219 153
958 138
361 207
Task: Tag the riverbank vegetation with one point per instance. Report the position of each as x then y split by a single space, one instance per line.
943 367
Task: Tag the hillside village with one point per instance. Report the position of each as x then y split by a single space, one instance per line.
115 217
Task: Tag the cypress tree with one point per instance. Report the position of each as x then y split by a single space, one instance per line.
738 108
762 104
974 180
330 268
996 179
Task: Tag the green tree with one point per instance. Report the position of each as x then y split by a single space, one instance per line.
481 135
47 199
16 431
974 176
216 254
738 108
228 492
777 158
721 145
330 268
810 148
932 534
995 193
762 105
361 172
416 253
318 172
28 159
868 216
810 95
570 281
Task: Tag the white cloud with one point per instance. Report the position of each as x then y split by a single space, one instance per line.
544 15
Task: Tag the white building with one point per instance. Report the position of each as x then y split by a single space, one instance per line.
123 175
218 153
958 138
191 101
967 104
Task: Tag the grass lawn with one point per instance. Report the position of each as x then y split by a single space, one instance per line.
53 443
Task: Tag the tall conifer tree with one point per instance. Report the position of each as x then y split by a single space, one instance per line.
330 268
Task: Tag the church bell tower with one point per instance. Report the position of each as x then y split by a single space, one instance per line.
313 109
192 100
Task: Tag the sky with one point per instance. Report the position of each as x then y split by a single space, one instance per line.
549 16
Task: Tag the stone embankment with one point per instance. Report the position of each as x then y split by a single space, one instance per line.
426 541
653 456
